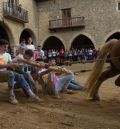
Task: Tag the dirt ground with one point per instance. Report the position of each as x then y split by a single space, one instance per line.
72 111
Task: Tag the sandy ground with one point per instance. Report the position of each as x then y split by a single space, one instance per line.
73 111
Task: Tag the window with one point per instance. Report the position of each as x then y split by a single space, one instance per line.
118 7
66 13
66 17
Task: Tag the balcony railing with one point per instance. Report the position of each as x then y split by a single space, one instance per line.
15 12
74 22
41 0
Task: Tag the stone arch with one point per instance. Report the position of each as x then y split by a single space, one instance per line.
54 43
81 41
26 33
114 35
6 33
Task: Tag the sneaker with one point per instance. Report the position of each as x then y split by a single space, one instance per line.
13 100
36 98
69 91
57 97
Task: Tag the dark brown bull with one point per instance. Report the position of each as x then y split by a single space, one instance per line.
111 48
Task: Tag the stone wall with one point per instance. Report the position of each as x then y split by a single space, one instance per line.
15 28
101 19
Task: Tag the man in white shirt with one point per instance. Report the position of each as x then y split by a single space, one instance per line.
30 44
10 76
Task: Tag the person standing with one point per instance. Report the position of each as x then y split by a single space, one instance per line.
30 44
41 52
21 44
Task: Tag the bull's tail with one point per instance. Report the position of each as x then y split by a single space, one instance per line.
97 69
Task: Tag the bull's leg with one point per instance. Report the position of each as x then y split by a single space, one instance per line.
93 94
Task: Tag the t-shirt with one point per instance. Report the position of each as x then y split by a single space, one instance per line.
23 67
4 59
54 78
30 46
37 56
21 46
51 83
42 53
19 56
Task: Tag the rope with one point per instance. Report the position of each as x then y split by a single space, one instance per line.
74 62
97 60
109 58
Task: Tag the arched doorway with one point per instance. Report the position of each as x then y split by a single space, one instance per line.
114 36
82 41
3 33
53 43
26 34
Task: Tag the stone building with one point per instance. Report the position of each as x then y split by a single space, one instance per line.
78 23
60 23
18 19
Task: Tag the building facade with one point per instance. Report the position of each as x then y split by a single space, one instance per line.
18 19
101 22
60 23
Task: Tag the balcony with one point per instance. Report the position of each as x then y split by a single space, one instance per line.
41 0
75 22
15 13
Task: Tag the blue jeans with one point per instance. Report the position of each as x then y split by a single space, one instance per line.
75 85
26 76
63 83
21 82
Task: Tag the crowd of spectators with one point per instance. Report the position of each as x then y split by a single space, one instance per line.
80 55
